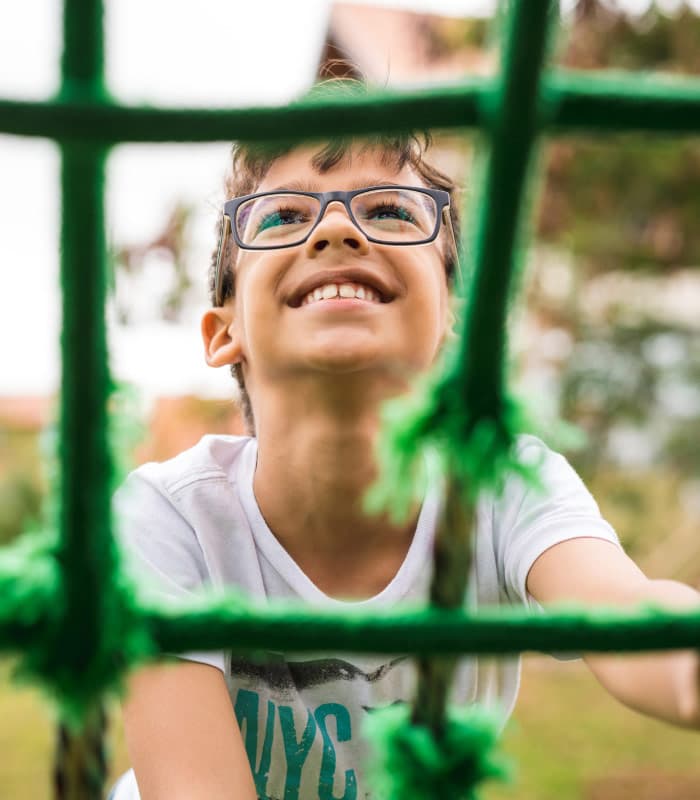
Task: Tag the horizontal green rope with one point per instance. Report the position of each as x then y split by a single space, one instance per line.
423 632
28 589
610 101
378 112
585 101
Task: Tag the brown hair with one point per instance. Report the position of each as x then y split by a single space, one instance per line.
249 165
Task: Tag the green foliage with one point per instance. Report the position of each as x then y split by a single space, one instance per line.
603 36
126 428
629 201
21 480
631 378
20 505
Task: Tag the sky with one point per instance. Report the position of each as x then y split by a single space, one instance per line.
160 53
227 54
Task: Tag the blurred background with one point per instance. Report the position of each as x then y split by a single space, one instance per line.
606 333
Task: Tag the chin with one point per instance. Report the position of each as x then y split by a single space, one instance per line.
346 362
345 353
377 367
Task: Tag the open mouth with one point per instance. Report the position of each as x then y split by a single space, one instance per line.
341 291
360 285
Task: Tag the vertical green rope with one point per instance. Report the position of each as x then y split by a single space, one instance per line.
438 752
85 552
80 763
82 61
433 751
464 411
74 619
515 117
451 562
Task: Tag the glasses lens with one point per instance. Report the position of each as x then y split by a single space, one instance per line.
276 219
395 215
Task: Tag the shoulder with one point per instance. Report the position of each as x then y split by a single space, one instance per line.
162 511
213 458
529 518
554 477
532 450
166 494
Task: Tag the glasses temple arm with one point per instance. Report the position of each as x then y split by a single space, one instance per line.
447 219
219 273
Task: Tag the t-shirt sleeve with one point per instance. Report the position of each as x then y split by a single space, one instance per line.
160 550
528 520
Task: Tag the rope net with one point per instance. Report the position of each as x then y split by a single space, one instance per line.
66 605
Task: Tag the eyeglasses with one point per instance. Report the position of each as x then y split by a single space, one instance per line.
393 215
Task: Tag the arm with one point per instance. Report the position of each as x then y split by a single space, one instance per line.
182 735
589 571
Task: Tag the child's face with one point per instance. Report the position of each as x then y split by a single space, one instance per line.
279 339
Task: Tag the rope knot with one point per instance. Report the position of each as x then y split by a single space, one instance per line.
411 763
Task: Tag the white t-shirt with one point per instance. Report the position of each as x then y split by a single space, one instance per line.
193 522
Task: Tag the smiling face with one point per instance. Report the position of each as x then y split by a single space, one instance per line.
338 303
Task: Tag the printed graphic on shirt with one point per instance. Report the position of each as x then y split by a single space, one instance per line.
291 676
301 723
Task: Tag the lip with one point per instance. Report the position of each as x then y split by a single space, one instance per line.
386 290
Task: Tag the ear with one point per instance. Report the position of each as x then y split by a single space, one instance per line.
221 343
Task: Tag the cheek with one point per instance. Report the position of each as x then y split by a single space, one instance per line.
244 316
430 321
247 315
434 298
258 320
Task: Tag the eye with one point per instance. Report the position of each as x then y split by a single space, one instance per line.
281 216
388 210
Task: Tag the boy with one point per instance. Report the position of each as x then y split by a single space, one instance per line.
324 311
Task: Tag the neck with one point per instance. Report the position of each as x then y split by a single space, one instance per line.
315 463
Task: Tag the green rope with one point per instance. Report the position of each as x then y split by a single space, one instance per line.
80 764
593 102
82 59
65 602
441 754
28 581
212 624
410 764
452 555
437 751
215 624
464 414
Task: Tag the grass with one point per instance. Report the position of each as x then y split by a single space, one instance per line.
27 731
567 732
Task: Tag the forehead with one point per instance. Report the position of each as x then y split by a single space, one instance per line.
357 168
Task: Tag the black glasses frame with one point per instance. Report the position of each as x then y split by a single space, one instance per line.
440 197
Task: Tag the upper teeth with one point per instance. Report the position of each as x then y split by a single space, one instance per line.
330 290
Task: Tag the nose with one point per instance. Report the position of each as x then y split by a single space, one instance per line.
336 229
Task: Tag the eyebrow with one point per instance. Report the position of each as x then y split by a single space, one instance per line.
309 186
